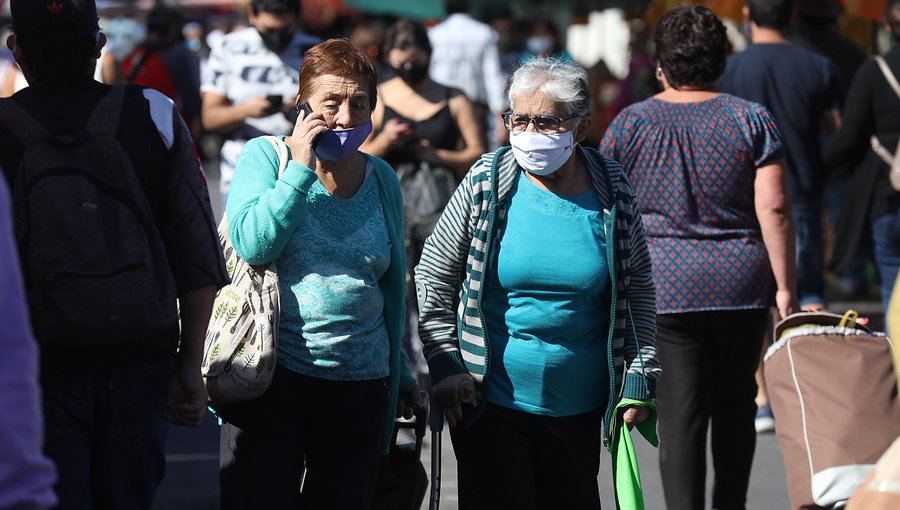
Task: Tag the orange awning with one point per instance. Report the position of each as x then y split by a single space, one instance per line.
871 9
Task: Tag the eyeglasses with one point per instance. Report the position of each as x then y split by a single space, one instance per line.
517 123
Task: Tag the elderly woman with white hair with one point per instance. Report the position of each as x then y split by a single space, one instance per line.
537 304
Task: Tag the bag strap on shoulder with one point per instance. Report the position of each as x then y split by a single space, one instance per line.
281 149
21 124
888 75
104 121
892 160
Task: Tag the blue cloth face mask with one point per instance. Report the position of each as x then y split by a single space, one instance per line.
337 144
541 154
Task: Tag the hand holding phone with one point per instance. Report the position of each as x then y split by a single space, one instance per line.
307 110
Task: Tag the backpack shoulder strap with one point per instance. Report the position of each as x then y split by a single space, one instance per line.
888 75
281 149
21 124
104 121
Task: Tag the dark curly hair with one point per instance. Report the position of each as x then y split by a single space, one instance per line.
691 46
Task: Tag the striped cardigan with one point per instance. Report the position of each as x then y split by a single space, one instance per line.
450 275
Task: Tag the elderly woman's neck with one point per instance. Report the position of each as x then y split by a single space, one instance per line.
570 179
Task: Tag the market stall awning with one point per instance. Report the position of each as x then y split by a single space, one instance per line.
416 9
871 9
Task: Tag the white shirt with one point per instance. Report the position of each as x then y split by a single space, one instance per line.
464 55
240 68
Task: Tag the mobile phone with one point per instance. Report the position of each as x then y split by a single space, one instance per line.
307 109
294 113
276 102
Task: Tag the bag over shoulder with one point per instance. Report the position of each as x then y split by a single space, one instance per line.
242 337
95 265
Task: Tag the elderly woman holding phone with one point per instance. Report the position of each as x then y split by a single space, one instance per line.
333 223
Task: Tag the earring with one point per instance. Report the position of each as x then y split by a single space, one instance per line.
659 74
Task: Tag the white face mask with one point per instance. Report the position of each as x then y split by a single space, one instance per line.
542 154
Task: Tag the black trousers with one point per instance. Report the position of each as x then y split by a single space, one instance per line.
326 433
707 385
519 461
105 429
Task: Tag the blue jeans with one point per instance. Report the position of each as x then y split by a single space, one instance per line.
886 239
105 430
810 252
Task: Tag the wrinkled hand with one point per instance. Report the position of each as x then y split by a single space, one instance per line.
408 400
634 415
186 400
449 393
258 107
307 128
786 303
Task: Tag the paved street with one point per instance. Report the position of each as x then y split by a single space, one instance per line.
192 478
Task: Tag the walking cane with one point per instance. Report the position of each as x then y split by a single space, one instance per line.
437 428
436 420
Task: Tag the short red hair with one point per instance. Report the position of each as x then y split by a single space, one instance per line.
338 57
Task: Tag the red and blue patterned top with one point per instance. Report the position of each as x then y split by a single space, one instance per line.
693 166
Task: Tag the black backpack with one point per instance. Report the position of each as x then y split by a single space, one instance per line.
94 262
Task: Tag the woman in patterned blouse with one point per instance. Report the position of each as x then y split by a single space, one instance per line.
709 176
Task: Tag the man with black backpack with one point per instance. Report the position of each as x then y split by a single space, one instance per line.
117 242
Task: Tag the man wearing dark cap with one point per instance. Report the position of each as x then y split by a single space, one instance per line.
108 383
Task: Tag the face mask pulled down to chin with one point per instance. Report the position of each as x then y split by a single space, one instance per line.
541 154
337 144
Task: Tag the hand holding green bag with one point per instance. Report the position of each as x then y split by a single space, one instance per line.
626 474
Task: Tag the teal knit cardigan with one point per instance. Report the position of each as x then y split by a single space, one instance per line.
264 210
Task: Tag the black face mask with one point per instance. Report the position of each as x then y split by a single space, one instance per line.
276 40
414 74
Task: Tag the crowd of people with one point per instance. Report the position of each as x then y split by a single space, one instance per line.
442 219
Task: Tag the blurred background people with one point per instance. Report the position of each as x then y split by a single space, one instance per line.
464 56
163 62
430 134
251 79
368 35
871 203
708 171
542 40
